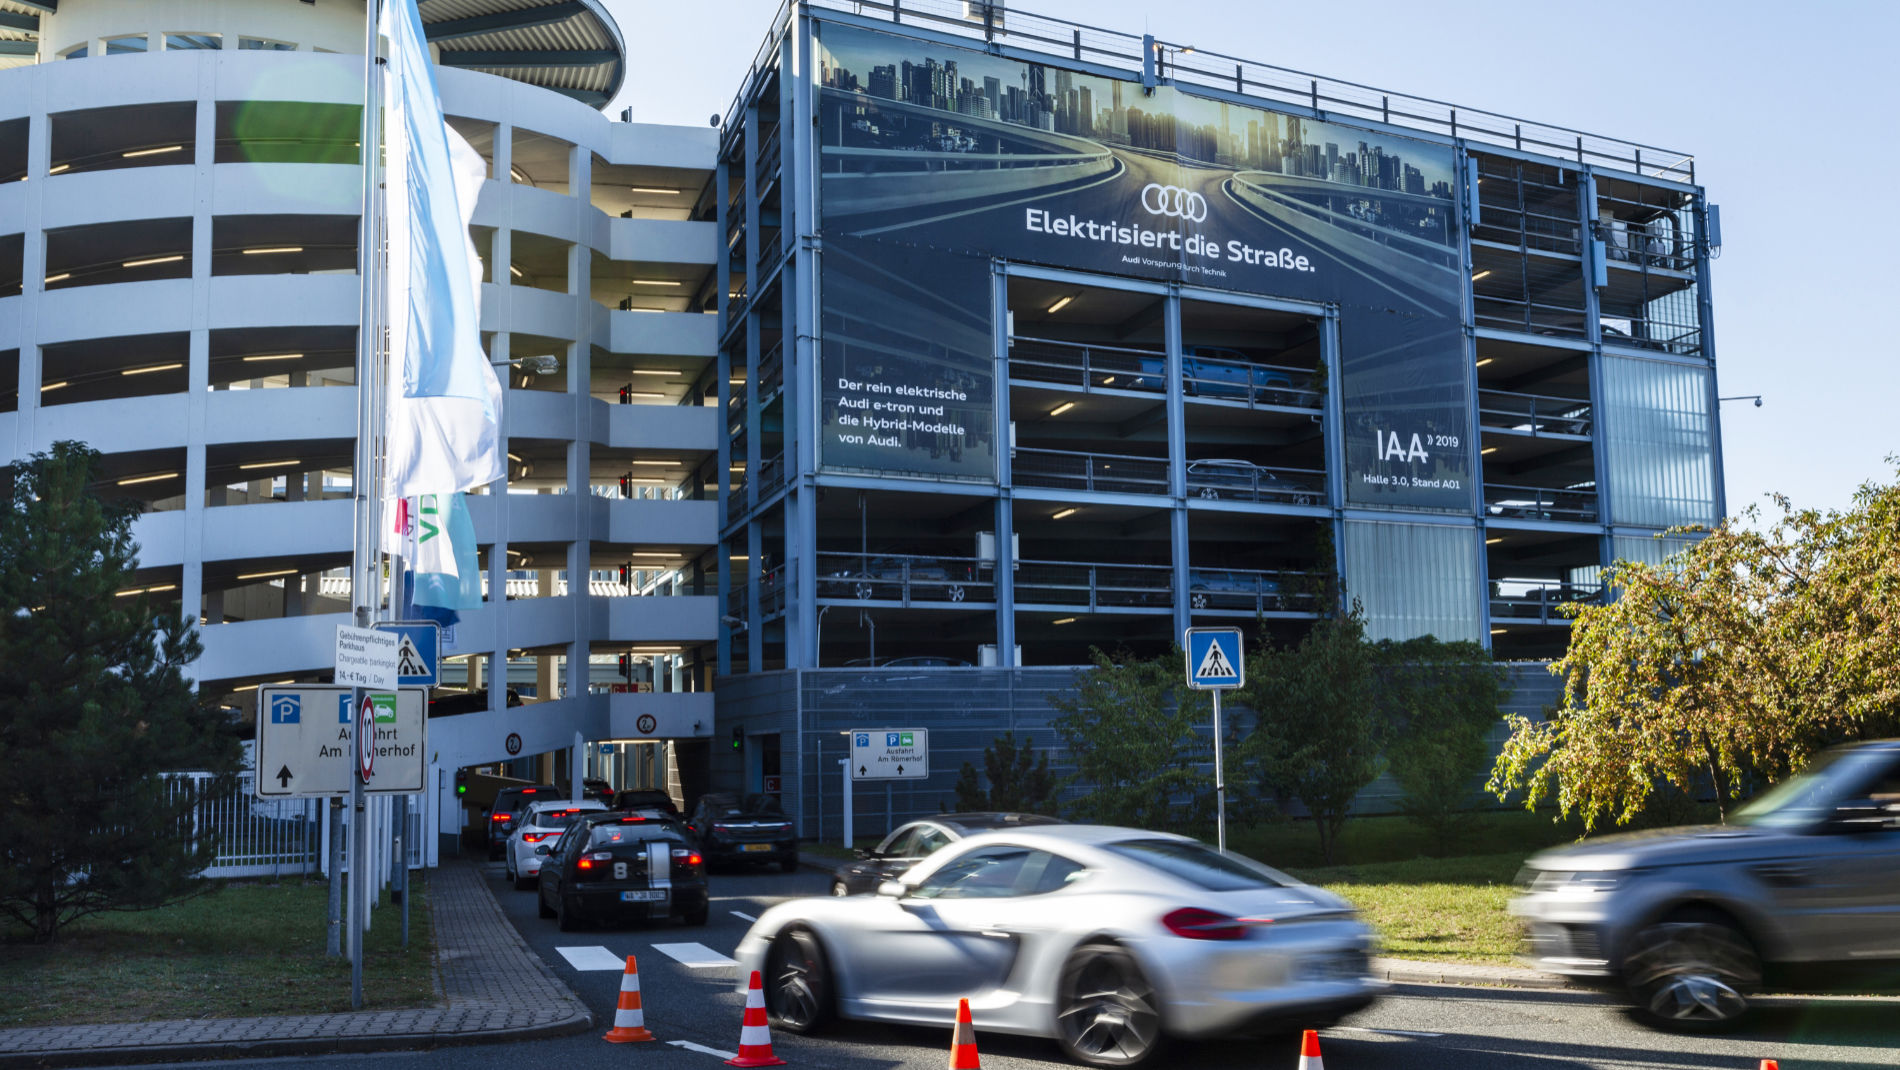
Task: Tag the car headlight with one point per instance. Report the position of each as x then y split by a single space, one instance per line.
1588 882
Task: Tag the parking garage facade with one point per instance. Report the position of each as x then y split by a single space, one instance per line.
1038 338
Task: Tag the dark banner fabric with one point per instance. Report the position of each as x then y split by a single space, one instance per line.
953 149
909 380
1403 396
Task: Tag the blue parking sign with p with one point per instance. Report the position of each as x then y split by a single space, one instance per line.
286 709
864 739
891 739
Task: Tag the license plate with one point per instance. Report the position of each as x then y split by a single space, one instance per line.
651 895
756 847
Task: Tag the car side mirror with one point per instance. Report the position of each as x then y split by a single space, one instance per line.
865 854
893 889
541 850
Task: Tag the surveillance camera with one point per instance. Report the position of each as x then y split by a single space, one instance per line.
1758 403
715 119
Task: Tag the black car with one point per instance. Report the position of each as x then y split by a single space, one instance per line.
598 789
613 866
908 844
647 799
509 802
754 829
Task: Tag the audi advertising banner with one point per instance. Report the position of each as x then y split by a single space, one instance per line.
964 152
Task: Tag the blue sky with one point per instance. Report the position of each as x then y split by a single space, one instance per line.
1789 111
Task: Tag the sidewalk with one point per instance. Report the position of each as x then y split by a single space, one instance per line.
493 989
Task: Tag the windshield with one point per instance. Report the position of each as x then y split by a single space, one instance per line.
614 833
1199 864
1814 792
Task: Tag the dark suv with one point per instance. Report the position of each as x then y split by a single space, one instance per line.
646 799
1800 891
909 844
509 802
751 830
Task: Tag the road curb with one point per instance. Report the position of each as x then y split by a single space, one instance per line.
281 1047
1411 972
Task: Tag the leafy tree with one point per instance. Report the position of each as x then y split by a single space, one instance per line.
1130 730
1728 665
1319 733
93 704
1439 702
1019 779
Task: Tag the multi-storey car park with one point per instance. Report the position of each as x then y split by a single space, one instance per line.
1028 336
179 205
1044 337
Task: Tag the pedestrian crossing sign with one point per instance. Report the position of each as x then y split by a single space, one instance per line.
1213 658
419 654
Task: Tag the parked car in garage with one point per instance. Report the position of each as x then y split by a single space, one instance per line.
909 844
1228 479
617 867
749 830
541 822
647 799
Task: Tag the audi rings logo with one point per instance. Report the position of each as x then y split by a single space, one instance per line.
1173 201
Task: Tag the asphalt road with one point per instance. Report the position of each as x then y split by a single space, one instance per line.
1415 1028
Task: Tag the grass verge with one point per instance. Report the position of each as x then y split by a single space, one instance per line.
1432 909
247 948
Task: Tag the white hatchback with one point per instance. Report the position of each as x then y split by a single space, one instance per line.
542 822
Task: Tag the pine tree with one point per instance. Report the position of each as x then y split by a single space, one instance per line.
94 705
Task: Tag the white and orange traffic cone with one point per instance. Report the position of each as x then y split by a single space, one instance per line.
963 1041
1309 1051
629 1020
755 1037
1770 1064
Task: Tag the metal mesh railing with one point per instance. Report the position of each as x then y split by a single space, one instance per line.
1533 413
1539 503
904 578
1332 98
1544 604
1108 472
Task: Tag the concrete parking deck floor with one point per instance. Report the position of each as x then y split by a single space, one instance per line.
493 989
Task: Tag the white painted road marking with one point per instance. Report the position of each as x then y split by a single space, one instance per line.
695 955
703 1049
592 958
742 914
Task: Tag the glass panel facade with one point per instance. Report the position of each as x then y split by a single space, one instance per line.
1650 550
1415 579
1660 443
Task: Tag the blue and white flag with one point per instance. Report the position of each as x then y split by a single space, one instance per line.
444 427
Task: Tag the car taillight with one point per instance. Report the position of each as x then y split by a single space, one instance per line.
500 817
1197 924
691 858
533 837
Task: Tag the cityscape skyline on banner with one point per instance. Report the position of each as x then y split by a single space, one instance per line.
1061 101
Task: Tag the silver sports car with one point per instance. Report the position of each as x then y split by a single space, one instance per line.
1107 939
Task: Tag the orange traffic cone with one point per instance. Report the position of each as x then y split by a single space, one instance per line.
755 1037
1309 1051
963 1041
629 1019
1770 1064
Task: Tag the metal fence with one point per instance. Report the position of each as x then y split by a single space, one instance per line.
276 837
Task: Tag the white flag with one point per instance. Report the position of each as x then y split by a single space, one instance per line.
444 428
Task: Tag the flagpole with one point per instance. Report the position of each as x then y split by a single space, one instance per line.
365 573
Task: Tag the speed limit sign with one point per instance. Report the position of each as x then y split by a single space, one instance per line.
366 738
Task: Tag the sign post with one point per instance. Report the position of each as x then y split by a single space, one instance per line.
1214 664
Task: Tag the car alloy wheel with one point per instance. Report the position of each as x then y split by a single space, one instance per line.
1106 1011
1198 599
956 592
1692 972
1210 494
864 591
797 982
